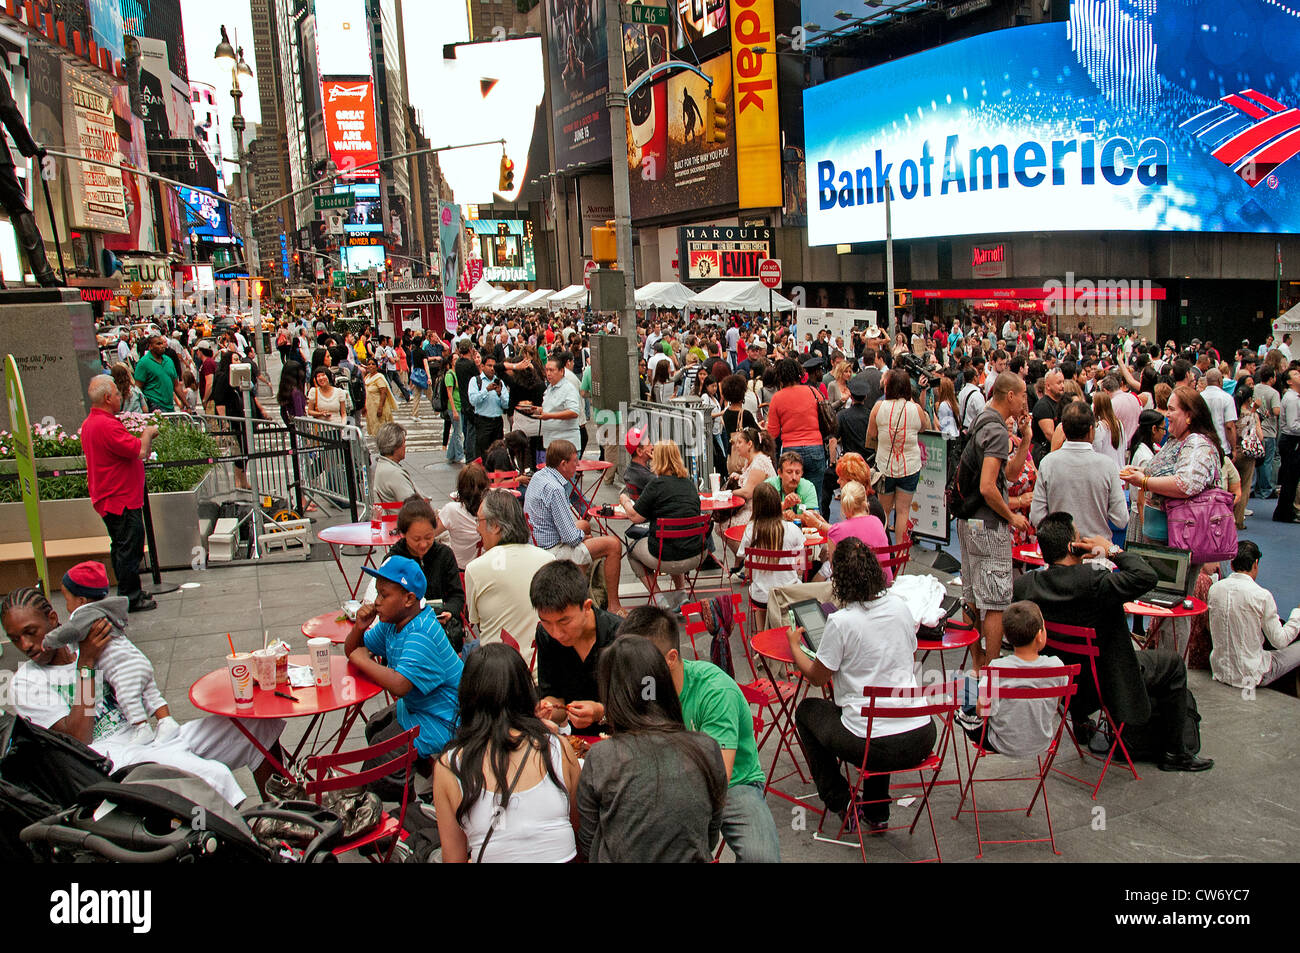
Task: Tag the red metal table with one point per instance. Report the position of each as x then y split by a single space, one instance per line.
327 626
348 691
603 521
773 645
1028 553
358 534
592 466
708 504
1160 613
737 533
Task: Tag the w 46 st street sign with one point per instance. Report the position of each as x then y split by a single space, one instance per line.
638 13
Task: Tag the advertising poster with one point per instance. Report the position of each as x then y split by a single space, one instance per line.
758 124
644 47
96 193
1172 117
716 252
700 174
164 95
579 80
350 124
206 215
697 19
929 516
451 248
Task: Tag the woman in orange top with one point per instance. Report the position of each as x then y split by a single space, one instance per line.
792 419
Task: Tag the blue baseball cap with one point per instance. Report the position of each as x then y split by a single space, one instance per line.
405 572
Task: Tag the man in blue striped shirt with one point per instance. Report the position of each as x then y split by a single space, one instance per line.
554 527
489 397
423 670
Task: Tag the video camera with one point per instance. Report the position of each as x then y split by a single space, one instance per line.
923 376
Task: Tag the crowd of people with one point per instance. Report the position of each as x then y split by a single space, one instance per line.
1075 446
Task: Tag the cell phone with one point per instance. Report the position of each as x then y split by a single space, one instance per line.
1080 549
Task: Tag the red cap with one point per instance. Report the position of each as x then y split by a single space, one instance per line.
634 438
91 575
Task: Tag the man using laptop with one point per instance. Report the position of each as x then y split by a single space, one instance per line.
1146 692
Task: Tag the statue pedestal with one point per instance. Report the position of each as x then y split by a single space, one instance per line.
51 334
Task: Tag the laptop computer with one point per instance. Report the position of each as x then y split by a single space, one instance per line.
1173 572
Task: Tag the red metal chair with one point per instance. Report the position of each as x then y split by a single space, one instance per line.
769 560
532 537
758 691
324 774
1080 641
998 693
935 700
686 527
511 641
894 558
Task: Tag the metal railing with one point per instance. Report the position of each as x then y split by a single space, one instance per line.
333 463
690 427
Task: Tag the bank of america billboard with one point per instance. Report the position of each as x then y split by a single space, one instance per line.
1134 115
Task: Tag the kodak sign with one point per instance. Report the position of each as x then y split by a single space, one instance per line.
758 127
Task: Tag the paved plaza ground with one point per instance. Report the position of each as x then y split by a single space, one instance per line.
1245 809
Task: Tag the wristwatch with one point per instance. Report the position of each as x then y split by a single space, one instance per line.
86 671
1114 550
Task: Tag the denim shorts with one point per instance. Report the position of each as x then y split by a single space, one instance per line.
907 484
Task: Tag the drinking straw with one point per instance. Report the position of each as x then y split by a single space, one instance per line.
232 644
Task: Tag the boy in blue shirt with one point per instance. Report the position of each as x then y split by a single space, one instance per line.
422 670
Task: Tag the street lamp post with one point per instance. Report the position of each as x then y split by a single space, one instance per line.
226 54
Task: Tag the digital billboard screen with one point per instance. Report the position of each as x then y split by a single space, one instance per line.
342 38
207 214
359 258
1162 116
350 124
366 213
696 19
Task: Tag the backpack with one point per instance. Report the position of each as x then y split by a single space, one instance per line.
963 491
826 422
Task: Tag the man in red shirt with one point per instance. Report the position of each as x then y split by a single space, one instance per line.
115 474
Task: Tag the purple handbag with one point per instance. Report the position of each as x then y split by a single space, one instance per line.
1204 525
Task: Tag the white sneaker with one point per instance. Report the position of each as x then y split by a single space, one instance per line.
168 728
1250 512
144 734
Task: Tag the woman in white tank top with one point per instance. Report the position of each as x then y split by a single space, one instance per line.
499 747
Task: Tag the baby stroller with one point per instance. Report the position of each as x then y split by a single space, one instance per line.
53 791
158 814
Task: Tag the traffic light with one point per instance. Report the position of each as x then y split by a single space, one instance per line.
507 181
388 264
715 119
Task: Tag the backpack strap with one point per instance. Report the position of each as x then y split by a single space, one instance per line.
500 809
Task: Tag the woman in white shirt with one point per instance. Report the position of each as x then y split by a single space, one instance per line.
771 532
752 449
870 641
458 518
502 746
1109 438
897 422
325 401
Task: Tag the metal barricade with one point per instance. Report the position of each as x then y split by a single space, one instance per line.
690 427
333 463
263 458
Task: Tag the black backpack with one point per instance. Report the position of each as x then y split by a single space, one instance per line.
963 491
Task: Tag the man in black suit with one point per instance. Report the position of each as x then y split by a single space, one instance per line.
13 196
1145 691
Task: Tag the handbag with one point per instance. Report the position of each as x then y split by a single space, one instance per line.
420 379
826 422
1251 444
1204 525
360 810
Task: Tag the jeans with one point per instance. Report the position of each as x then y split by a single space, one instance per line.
748 827
827 743
397 382
455 449
814 468
1264 469
126 535
468 430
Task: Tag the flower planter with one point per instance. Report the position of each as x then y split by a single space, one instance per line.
175 521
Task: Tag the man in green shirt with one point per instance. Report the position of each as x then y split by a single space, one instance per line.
794 489
712 703
157 377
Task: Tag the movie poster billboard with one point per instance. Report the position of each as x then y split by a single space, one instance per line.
579 80
450 248
698 173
